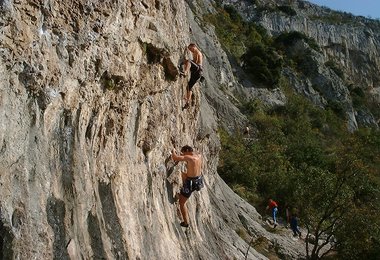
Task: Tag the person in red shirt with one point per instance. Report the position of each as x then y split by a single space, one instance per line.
272 205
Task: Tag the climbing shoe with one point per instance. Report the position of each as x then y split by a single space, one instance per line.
183 224
185 106
180 71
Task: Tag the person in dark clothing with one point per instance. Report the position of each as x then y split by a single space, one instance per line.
195 68
294 225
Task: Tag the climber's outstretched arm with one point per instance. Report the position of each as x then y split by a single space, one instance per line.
177 157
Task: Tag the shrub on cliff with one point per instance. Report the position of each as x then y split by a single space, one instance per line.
263 65
287 9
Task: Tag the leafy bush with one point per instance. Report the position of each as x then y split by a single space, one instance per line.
359 98
336 107
263 65
233 172
290 38
287 9
233 14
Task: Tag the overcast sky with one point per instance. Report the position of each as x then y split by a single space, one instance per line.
367 8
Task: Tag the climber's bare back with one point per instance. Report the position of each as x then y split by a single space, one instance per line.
194 165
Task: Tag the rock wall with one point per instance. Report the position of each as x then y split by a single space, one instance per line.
90 104
348 41
351 41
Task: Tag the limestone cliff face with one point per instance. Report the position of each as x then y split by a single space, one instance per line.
350 42
90 109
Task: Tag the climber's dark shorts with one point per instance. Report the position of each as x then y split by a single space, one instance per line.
191 184
195 74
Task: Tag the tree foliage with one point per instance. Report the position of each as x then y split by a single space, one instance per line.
304 157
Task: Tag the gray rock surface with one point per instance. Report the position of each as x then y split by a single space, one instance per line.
90 108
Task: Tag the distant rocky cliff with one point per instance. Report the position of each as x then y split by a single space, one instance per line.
349 42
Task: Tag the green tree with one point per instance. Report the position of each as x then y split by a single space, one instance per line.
236 165
330 201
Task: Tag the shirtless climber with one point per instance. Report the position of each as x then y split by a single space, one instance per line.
192 179
195 68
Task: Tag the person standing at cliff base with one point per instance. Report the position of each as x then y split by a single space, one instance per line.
192 179
294 225
195 68
272 205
